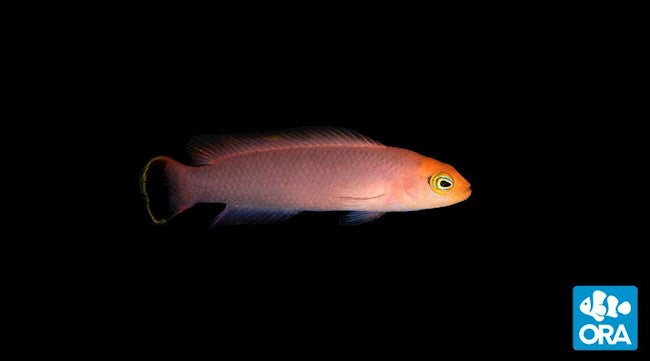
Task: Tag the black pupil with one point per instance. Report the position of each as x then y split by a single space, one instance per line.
445 184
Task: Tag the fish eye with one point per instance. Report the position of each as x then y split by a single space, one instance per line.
441 182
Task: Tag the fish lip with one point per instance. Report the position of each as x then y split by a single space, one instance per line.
468 192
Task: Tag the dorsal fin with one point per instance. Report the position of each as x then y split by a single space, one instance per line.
205 149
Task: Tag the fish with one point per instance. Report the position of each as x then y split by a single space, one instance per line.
594 306
268 178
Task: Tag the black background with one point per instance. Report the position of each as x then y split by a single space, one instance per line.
541 116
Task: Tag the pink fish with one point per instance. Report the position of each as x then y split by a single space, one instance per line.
269 178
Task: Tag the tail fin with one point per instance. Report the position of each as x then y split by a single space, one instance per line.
165 188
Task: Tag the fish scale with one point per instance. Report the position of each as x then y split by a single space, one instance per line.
304 178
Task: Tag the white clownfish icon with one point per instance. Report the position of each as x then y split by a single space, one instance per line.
597 309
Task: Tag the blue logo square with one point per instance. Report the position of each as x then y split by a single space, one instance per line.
605 318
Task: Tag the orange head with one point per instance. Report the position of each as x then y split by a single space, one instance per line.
434 185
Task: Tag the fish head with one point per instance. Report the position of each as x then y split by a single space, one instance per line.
438 185
585 306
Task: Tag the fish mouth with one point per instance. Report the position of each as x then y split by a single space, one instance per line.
467 193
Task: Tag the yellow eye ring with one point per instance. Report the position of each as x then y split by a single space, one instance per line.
441 183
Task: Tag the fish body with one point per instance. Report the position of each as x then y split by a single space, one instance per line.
270 178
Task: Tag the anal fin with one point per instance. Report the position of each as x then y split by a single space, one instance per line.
239 214
359 217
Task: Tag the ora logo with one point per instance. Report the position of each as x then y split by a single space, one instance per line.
605 318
